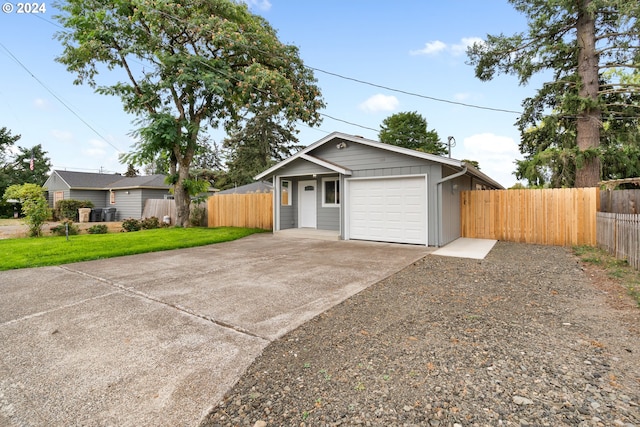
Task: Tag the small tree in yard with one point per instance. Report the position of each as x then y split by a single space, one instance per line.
34 205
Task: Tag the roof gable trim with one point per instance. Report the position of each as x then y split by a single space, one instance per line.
326 164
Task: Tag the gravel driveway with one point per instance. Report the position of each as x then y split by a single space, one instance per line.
526 337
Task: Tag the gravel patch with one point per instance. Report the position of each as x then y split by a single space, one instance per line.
526 337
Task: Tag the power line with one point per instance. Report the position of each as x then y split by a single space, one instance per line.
413 93
57 97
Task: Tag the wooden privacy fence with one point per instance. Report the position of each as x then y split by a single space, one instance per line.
619 234
160 208
241 210
559 216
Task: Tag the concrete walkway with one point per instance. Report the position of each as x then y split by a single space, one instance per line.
157 339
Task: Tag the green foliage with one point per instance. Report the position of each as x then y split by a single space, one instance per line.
15 168
568 126
68 208
34 205
98 229
264 140
131 224
198 215
150 223
201 64
409 130
66 226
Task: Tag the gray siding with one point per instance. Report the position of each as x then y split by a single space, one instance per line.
302 167
127 205
328 217
365 159
96 197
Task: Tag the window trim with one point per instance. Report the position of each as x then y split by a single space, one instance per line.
289 192
335 179
112 197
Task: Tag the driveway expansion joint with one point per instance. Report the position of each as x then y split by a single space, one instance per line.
143 295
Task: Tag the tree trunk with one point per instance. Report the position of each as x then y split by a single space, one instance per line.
182 198
589 120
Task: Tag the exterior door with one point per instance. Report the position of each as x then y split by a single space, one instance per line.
388 210
307 192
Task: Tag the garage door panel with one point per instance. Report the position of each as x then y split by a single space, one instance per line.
388 209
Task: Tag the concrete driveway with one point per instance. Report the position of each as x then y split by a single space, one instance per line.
157 339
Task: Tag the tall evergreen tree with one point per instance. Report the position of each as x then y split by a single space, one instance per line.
264 140
578 41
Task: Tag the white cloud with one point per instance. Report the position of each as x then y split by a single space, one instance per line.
263 5
430 48
379 102
456 49
495 154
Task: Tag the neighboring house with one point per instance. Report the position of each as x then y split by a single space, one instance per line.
126 195
368 190
254 187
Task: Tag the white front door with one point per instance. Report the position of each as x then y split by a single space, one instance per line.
307 204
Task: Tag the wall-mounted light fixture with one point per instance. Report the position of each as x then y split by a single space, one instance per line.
341 145
127 191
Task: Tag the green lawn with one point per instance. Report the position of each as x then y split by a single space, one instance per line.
42 251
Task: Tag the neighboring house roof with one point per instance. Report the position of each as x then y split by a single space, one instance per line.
254 187
304 154
101 181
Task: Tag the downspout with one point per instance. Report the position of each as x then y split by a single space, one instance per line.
439 200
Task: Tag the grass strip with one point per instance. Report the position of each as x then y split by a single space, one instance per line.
56 250
618 270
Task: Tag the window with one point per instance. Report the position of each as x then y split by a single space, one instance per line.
112 197
331 192
285 193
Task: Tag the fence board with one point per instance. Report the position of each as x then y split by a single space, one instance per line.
160 208
560 217
619 234
253 210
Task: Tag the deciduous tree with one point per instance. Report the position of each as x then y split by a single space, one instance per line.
188 66
409 130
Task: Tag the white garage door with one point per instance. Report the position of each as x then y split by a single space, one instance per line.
388 210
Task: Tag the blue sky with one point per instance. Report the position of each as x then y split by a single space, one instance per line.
411 45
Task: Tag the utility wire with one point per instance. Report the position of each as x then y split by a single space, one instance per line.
413 93
57 97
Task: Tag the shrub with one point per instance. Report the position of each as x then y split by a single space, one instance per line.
131 224
61 229
98 229
68 208
34 205
197 216
150 223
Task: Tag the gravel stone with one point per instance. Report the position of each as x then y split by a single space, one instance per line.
528 336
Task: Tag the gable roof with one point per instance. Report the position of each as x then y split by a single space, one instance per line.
102 181
254 187
303 154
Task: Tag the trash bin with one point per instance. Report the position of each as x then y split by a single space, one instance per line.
83 214
110 214
96 215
